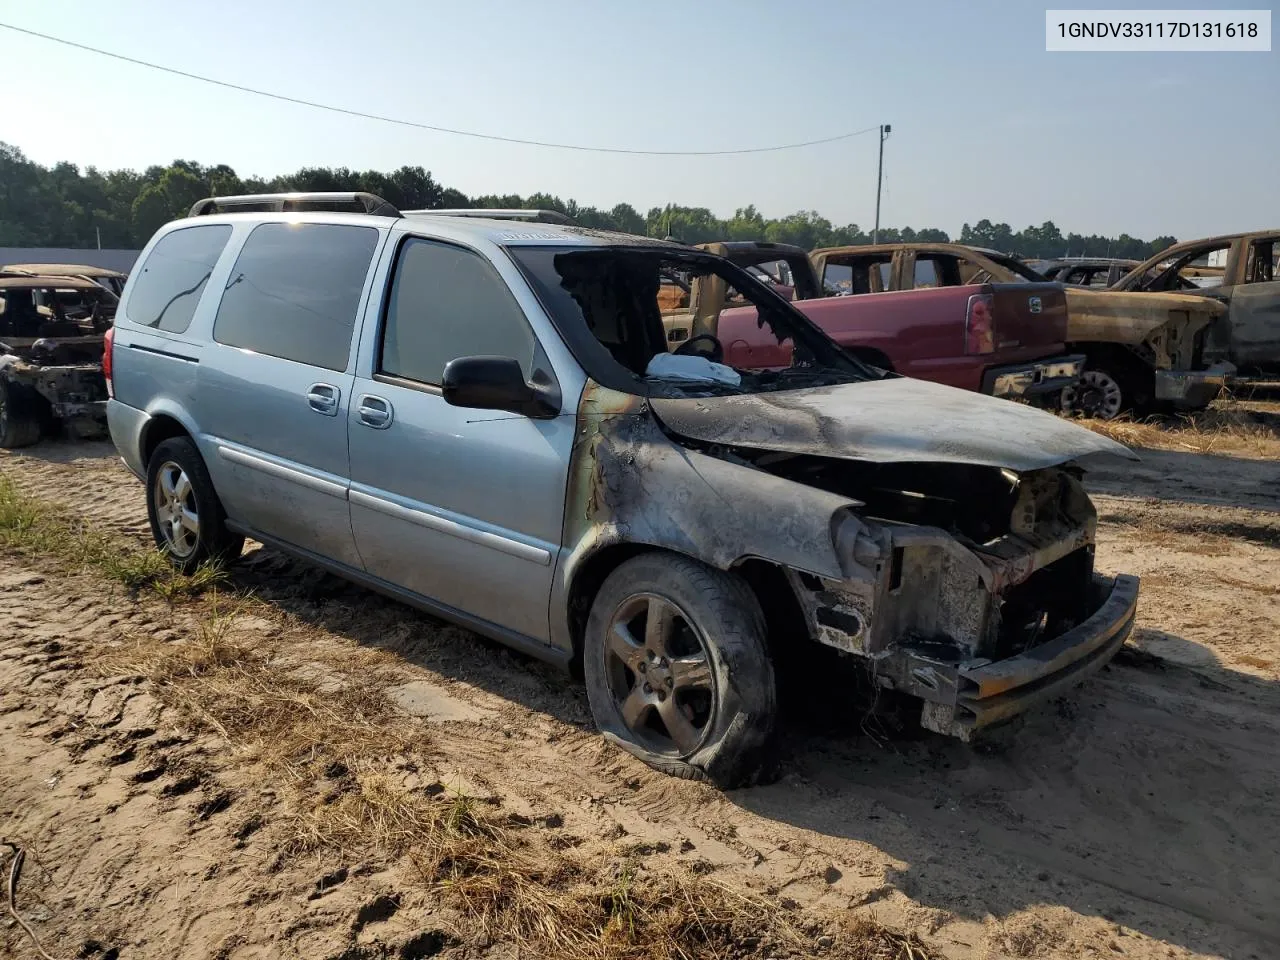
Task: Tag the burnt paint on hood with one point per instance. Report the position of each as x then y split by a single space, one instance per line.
887 421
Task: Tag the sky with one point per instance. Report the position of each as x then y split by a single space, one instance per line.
985 123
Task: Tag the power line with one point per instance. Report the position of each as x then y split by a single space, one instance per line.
427 126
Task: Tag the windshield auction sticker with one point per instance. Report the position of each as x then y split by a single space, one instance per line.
1178 31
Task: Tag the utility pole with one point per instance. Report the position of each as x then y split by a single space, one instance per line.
98 231
884 133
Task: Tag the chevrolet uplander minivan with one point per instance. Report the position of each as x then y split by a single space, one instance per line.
481 417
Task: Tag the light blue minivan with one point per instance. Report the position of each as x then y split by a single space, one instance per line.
480 416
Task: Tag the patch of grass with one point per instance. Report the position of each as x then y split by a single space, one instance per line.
1226 428
39 529
872 940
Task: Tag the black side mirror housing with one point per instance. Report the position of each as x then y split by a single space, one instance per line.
497 383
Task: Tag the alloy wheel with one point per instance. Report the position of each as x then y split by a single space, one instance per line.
176 512
659 674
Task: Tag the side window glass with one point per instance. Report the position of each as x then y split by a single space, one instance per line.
294 291
447 302
168 286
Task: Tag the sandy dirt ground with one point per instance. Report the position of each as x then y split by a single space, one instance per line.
1135 818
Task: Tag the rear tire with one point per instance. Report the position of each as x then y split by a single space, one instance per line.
678 671
1106 391
20 419
187 519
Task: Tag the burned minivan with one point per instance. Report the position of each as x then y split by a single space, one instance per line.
483 419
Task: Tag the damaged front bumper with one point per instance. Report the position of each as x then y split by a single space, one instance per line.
1028 380
1193 389
963 698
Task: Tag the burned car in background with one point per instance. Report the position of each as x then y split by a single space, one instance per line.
1239 274
105 277
1140 354
1098 272
51 339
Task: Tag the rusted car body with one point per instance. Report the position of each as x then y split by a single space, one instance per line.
1243 290
51 340
1141 354
1083 271
112 280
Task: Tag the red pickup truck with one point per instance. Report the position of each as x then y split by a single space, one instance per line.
1003 339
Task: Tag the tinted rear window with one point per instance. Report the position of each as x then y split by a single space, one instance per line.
168 286
294 291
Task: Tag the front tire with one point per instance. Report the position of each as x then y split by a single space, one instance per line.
187 519
677 669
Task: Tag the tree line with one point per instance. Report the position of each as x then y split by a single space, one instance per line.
60 206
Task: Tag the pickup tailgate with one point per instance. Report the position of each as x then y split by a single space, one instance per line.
1030 319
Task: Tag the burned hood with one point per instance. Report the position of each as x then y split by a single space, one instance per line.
887 421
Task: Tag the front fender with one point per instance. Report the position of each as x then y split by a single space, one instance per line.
630 484
1162 321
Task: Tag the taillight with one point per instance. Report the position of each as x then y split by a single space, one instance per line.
108 347
979 332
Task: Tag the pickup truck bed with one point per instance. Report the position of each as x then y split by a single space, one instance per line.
929 334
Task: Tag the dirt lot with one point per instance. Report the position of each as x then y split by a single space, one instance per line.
285 765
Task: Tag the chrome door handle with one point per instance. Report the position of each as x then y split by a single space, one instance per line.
374 412
323 399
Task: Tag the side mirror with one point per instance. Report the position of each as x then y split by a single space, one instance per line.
497 383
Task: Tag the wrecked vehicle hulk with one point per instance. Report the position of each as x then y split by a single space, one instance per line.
1142 355
1005 340
482 418
112 280
1099 272
1243 285
51 336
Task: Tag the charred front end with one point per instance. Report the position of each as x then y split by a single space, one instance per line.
942 537
970 587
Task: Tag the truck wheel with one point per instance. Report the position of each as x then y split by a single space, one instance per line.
187 519
677 669
1098 394
19 415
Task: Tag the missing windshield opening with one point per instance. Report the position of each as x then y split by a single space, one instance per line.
645 320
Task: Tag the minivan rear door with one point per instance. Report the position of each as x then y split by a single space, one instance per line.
276 382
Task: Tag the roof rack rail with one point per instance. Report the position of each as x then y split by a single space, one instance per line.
532 216
356 202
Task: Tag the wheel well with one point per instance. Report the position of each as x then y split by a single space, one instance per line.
784 618
1113 356
586 584
158 430
872 356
